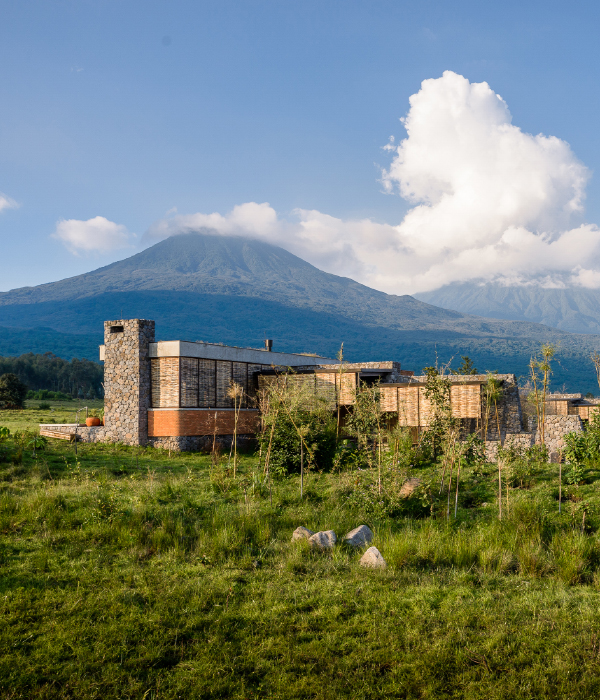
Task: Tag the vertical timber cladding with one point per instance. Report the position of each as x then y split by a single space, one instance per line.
165 382
346 386
224 377
465 400
211 381
207 383
388 398
323 385
188 382
415 409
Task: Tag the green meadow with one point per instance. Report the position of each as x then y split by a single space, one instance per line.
129 573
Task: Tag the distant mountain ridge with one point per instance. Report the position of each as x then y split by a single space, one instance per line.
204 286
575 310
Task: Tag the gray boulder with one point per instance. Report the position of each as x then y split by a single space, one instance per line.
323 540
372 559
361 536
301 533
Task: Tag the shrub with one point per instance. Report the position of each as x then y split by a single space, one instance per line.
285 442
44 394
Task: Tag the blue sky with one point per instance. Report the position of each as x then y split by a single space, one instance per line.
129 110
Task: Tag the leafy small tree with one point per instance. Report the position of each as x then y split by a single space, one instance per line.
540 371
12 391
299 429
442 424
366 422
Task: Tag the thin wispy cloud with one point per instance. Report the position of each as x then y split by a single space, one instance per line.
7 202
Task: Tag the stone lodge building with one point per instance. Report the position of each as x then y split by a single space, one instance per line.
177 394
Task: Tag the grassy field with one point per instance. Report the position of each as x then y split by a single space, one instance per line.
127 573
59 412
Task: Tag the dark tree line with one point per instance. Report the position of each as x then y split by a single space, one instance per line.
75 377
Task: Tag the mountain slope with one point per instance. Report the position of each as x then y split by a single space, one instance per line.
206 263
203 286
575 310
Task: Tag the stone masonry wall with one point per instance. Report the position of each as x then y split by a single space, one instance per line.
126 385
200 443
555 429
127 381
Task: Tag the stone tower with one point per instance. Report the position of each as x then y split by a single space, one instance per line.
127 380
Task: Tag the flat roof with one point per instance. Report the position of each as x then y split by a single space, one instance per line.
212 351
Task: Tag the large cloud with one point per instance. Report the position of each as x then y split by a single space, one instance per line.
97 235
490 202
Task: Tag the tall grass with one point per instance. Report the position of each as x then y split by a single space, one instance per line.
173 579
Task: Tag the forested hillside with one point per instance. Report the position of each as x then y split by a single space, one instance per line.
75 377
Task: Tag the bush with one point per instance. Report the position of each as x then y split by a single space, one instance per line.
285 443
46 394
44 407
12 391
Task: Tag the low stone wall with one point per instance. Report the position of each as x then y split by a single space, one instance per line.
555 429
203 443
84 434
519 440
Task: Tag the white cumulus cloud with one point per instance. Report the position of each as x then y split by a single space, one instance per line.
97 235
489 202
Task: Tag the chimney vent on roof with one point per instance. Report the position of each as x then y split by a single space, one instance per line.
269 345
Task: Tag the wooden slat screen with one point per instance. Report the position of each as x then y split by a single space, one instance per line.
426 408
265 381
408 405
224 376
465 400
325 385
189 382
206 384
388 397
348 388
253 370
164 380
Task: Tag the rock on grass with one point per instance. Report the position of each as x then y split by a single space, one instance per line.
361 536
301 533
323 540
372 559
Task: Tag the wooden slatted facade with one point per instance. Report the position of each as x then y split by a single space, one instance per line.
207 383
197 383
224 377
164 382
415 410
189 382
465 400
